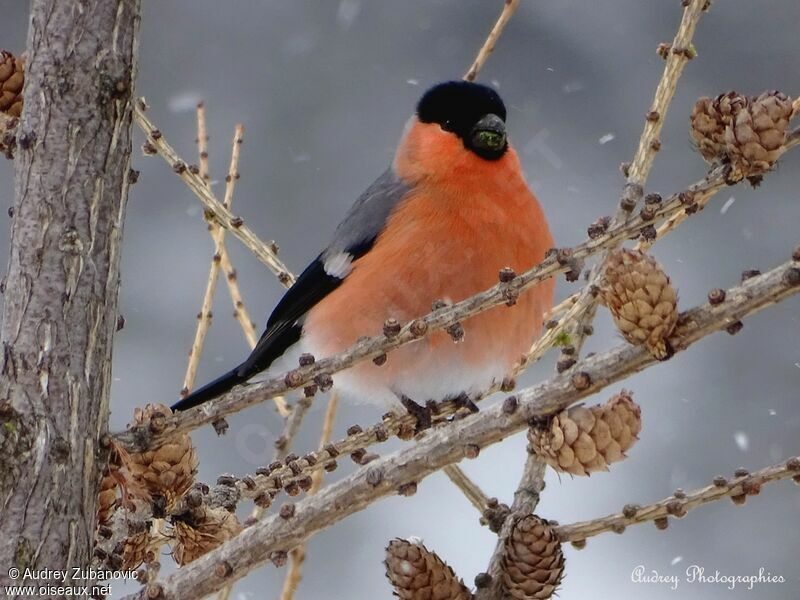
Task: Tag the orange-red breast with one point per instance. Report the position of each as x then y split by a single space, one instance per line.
439 224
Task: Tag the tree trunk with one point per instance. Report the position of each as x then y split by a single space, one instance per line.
60 313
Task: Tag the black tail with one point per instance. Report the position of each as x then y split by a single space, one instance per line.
211 390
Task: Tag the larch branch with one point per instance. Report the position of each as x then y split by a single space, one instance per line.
677 505
401 471
241 397
235 224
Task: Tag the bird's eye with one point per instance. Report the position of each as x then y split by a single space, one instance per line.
447 126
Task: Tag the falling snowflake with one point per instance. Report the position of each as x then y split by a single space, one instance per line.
675 560
347 13
742 441
572 87
728 203
301 158
606 138
184 101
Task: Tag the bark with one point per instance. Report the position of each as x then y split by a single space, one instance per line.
60 312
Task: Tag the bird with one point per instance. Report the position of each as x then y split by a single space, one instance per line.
451 210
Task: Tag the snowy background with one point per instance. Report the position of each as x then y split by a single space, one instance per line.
323 89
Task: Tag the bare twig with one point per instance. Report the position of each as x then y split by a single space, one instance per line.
697 197
325 435
677 59
239 308
204 317
297 556
283 445
290 428
202 142
526 498
157 142
509 7
402 470
677 505
469 488
639 168
562 306
793 139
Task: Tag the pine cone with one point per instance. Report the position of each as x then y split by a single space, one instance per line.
641 299
135 550
12 78
583 440
107 498
419 574
169 470
709 120
532 563
202 530
756 136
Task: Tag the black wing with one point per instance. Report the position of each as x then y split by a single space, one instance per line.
353 238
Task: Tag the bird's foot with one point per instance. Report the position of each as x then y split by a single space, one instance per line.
423 414
464 401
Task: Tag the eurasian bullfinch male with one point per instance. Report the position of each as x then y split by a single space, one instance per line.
451 210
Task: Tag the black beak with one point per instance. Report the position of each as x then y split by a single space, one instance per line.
488 136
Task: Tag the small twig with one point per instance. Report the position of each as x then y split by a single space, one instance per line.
679 504
325 435
202 143
561 307
526 498
509 7
639 169
642 162
291 426
204 317
157 142
531 483
239 309
297 556
470 489
700 196
644 244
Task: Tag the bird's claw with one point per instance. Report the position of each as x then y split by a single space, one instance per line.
464 401
423 414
